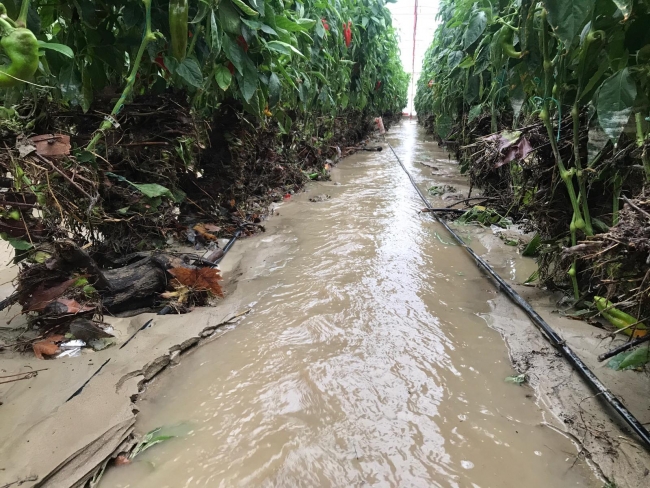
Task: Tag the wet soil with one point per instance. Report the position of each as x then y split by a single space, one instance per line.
366 358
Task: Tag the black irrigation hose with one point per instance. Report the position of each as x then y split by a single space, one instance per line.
552 336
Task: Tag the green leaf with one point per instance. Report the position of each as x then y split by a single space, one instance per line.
234 53
248 81
190 71
533 246
475 29
568 17
152 190
222 76
268 30
258 5
59 48
466 63
630 359
275 90
69 83
625 6
17 244
245 8
299 25
229 17
215 35
283 48
474 112
615 101
204 7
443 125
454 59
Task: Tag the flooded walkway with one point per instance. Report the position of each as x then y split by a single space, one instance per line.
366 359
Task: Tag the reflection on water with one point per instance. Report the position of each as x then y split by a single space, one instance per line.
364 362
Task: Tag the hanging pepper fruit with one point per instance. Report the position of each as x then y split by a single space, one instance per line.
347 33
231 68
242 42
21 47
178 12
378 85
326 26
161 62
506 37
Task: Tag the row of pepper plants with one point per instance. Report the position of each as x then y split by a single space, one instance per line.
289 66
539 61
274 56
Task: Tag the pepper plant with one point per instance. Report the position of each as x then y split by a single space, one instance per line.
528 61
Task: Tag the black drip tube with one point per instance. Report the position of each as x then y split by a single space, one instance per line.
550 334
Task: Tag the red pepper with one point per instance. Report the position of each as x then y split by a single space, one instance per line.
242 42
160 62
378 85
326 26
231 68
347 33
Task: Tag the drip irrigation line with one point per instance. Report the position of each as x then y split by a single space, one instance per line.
547 331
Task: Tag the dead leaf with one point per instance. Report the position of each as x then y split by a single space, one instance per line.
74 306
43 296
202 231
121 460
212 227
199 279
47 347
51 145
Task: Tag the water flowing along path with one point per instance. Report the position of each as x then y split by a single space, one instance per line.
366 360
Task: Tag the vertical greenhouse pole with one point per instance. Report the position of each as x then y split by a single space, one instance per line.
415 29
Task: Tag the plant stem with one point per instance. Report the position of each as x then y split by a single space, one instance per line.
130 81
618 185
566 175
575 115
22 16
640 140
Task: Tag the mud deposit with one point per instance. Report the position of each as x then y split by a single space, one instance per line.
366 359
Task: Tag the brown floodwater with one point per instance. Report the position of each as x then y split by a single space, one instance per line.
366 359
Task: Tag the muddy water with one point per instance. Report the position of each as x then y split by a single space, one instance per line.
365 361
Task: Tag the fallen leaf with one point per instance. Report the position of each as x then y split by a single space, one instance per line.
199 279
47 347
43 296
122 460
51 145
212 227
201 229
74 306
